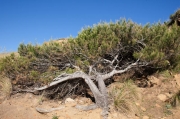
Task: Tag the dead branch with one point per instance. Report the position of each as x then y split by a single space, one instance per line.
100 93
41 110
86 108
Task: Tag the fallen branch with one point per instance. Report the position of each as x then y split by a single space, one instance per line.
86 108
41 110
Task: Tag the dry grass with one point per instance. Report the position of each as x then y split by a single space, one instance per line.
124 97
2 55
60 41
5 87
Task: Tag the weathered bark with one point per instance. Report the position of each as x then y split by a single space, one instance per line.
86 108
41 110
100 92
97 94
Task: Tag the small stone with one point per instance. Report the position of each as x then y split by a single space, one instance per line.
69 100
137 104
143 109
162 97
145 117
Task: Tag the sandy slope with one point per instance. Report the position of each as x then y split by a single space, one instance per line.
150 105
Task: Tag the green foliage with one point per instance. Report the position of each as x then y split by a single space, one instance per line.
156 44
45 51
12 66
70 70
162 46
34 75
104 37
55 117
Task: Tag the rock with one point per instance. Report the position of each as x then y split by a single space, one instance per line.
137 104
145 117
69 100
143 109
162 97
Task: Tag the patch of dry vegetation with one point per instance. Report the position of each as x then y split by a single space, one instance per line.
124 97
5 87
3 55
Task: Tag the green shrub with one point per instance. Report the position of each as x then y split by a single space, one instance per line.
55 117
162 46
12 66
156 44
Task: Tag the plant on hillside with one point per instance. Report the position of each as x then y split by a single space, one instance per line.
124 97
95 56
55 117
13 66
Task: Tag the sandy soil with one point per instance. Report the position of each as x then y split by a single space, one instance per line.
151 104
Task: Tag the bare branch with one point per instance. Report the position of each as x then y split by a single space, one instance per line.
86 108
109 75
41 110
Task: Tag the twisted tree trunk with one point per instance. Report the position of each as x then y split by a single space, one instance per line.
100 92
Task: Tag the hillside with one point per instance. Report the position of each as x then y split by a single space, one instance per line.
150 105
123 69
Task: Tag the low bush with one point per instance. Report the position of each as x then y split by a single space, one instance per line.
156 45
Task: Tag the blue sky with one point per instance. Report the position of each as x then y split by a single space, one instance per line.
36 21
